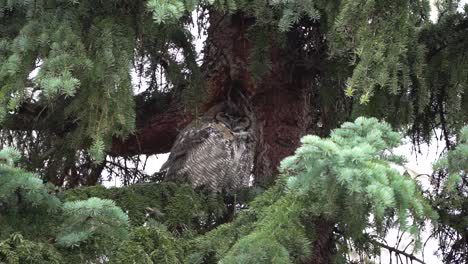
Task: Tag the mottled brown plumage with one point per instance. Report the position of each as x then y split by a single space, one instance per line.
214 151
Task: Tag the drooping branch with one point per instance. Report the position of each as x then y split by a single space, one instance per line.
398 252
285 101
157 125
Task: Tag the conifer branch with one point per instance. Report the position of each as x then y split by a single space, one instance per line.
397 251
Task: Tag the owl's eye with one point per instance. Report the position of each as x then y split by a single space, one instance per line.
224 119
241 124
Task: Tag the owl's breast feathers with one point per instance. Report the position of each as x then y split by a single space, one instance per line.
211 155
227 133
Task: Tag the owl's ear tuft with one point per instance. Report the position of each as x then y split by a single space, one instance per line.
223 118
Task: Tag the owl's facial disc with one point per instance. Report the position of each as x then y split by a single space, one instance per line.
241 124
224 119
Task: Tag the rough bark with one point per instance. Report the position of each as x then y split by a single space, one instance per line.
282 107
285 103
281 101
155 133
323 245
226 58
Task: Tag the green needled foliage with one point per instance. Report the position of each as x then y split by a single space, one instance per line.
53 43
151 244
83 225
66 93
451 200
376 37
345 180
94 217
83 53
389 58
31 215
23 193
455 162
348 179
17 250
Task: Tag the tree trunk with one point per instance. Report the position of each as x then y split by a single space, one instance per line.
286 104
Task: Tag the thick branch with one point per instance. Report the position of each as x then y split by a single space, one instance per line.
156 134
157 126
27 118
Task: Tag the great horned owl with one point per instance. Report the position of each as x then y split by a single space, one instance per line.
215 151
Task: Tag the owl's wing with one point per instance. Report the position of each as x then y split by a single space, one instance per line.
187 139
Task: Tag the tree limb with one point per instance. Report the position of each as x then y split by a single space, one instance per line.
397 251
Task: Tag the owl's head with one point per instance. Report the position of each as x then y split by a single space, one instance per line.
235 123
224 119
241 124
